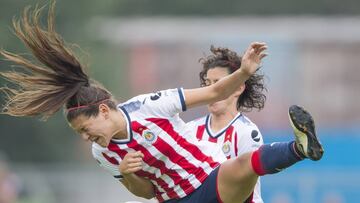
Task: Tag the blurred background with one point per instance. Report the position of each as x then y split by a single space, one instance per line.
141 46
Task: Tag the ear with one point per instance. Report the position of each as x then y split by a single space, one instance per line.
239 91
104 110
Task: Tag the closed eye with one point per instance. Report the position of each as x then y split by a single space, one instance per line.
83 130
95 139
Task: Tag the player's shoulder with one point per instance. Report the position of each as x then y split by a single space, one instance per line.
104 156
194 124
244 122
149 98
244 125
165 104
248 129
136 103
107 159
199 121
97 150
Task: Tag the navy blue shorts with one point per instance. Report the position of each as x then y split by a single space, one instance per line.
206 193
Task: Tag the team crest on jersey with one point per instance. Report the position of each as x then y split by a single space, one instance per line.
149 136
226 148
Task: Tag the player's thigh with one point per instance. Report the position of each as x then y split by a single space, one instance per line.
236 179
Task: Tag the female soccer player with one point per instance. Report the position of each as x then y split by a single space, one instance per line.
226 125
143 142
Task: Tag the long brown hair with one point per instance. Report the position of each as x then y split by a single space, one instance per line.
59 79
253 96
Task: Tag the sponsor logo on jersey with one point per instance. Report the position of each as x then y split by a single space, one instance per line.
149 136
255 135
155 96
226 148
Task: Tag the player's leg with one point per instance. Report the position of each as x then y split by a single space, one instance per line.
237 177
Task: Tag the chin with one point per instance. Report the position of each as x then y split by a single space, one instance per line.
214 108
103 144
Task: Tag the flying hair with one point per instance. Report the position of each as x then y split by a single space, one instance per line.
41 88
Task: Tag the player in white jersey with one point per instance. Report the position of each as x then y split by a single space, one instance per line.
174 163
143 142
226 125
238 137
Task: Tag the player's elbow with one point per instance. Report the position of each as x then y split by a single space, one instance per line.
145 191
149 196
144 194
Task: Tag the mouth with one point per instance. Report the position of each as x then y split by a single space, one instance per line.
100 142
94 139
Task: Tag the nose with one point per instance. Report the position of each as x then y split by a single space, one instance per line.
85 136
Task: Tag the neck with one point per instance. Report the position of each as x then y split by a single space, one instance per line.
120 122
220 121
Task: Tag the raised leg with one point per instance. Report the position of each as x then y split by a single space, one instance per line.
237 177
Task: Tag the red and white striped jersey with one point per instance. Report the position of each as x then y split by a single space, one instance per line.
174 162
238 137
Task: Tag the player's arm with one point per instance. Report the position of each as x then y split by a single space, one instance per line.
139 186
225 87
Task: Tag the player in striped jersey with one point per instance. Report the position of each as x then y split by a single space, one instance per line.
226 125
143 142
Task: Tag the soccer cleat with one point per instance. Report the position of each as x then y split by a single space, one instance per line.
305 136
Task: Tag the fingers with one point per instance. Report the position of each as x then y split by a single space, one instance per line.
263 55
260 49
256 45
135 165
139 154
135 156
252 57
132 162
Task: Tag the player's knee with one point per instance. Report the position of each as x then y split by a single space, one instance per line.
244 170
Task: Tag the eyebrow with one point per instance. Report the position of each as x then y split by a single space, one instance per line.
83 128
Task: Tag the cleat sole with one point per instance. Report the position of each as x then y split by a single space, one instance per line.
304 127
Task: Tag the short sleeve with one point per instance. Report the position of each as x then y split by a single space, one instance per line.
166 102
250 139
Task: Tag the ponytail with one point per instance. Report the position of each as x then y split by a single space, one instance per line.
41 88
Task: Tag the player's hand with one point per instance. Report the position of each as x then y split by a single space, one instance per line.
131 163
252 57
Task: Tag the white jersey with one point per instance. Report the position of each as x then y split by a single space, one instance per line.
238 137
174 162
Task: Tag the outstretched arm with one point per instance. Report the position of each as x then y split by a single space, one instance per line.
139 186
225 87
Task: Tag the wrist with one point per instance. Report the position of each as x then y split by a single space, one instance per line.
127 175
245 73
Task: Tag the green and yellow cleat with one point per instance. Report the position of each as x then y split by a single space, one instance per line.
305 135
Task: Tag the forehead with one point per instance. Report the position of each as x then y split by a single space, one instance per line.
79 122
217 72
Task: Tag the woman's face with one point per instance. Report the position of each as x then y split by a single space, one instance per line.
99 129
213 75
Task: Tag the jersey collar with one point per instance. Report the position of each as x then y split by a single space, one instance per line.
208 128
128 128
